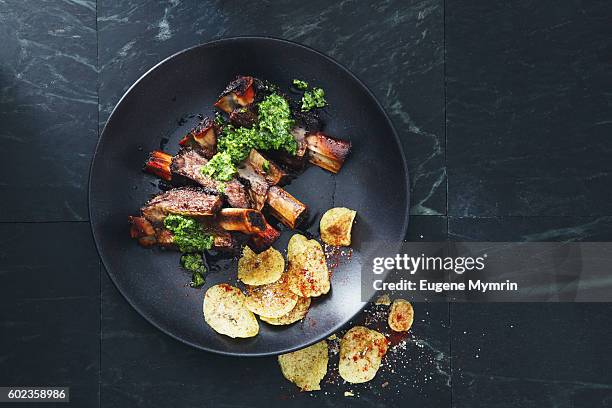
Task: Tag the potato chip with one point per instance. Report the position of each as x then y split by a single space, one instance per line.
361 352
336 225
225 312
271 300
401 315
307 367
260 269
307 269
297 313
383 300
296 242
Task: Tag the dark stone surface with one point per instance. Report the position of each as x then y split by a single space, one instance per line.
535 354
529 108
523 229
528 118
48 108
531 355
50 308
527 91
427 228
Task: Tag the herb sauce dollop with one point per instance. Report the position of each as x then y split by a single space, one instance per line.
187 233
313 99
299 84
195 264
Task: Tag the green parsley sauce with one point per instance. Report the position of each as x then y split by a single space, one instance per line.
299 84
187 234
220 167
195 264
313 99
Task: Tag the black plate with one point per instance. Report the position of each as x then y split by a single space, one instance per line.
161 106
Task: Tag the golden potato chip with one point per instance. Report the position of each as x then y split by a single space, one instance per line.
336 225
307 269
307 367
225 311
401 315
361 352
296 243
383 300
271 300
260 269
297 313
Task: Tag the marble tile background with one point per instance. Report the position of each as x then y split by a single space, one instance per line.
528 108
48 108
504 112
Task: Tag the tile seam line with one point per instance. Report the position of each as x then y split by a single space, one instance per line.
445 85
449 308
100 269
448 216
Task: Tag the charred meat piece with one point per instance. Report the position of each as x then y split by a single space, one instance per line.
293 162
327 152
143 231
203 136
189 163
256 184
299 134
159 164
224 242
239 92
286 208
223 239
272 173
237 195
243 116
309 121
186 168
261 241
164 237
140 227
243 220
187 201
263 88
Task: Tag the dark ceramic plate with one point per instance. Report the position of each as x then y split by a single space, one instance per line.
160 108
